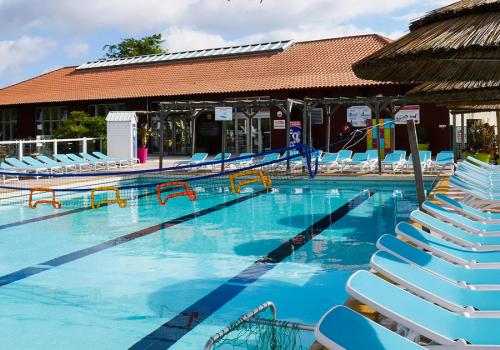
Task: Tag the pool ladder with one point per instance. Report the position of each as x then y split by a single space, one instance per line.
250 317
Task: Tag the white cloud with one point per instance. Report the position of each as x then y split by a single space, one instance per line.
77 50
25 50
180 39
237 17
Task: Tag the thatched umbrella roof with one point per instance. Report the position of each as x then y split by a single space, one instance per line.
457 42
453 93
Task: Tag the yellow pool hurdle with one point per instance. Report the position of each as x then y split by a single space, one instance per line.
122 203
264 179
55 204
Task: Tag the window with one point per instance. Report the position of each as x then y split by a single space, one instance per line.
8 124
48 119
103 109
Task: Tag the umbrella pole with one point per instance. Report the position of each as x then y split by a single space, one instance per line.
417 168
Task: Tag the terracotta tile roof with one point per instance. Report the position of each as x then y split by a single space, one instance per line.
305 65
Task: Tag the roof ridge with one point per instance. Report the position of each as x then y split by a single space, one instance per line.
380 37
36 77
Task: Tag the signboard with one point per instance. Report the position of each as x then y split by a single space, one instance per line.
408 113
279 124
295 133
223 114
358 115
317 116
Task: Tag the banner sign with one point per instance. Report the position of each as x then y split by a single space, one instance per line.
295 133
279 124
358 115
380 134
223 114
408 113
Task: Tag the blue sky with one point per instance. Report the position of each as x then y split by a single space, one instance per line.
37 36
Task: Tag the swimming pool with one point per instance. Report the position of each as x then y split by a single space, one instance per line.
152 277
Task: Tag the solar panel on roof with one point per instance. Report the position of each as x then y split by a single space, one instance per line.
275 46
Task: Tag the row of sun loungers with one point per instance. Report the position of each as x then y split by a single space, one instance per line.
438 283
64 163
341 161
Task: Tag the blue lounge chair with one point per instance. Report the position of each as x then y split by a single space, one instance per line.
82 161
467 210
342 328
107 163
454 234
120 161
328 160
475 197
218 158
6 169
360 161
476 303
394 160
23 166
480 163
52 163
241 163
448 250
195 159
343 157
479 279
421 316
425 160
444 160
271 157
36 163
477 179
67 161
461 221
487 189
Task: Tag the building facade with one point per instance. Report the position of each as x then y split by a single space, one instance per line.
279 70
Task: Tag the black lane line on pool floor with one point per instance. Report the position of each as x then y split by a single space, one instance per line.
170 332
50 264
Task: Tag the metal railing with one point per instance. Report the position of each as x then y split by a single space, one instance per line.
21 148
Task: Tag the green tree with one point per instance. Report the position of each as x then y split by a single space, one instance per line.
80 124
148 45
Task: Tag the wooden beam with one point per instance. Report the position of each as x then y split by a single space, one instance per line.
417 168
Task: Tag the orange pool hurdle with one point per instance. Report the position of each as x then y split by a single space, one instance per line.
55 204
187 191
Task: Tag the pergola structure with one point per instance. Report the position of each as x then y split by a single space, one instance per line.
249 107
192 109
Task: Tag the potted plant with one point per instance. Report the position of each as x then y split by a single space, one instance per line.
423 138
481 137
144 134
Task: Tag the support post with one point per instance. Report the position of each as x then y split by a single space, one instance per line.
55 146
162 138
379 150
193 135
328 114
417 169
454 135
498 136
223 146
20 150
288 113
304 124
462 139
84 145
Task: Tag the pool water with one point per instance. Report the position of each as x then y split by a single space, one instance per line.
153 277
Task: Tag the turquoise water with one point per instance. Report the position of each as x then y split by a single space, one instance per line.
114 296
